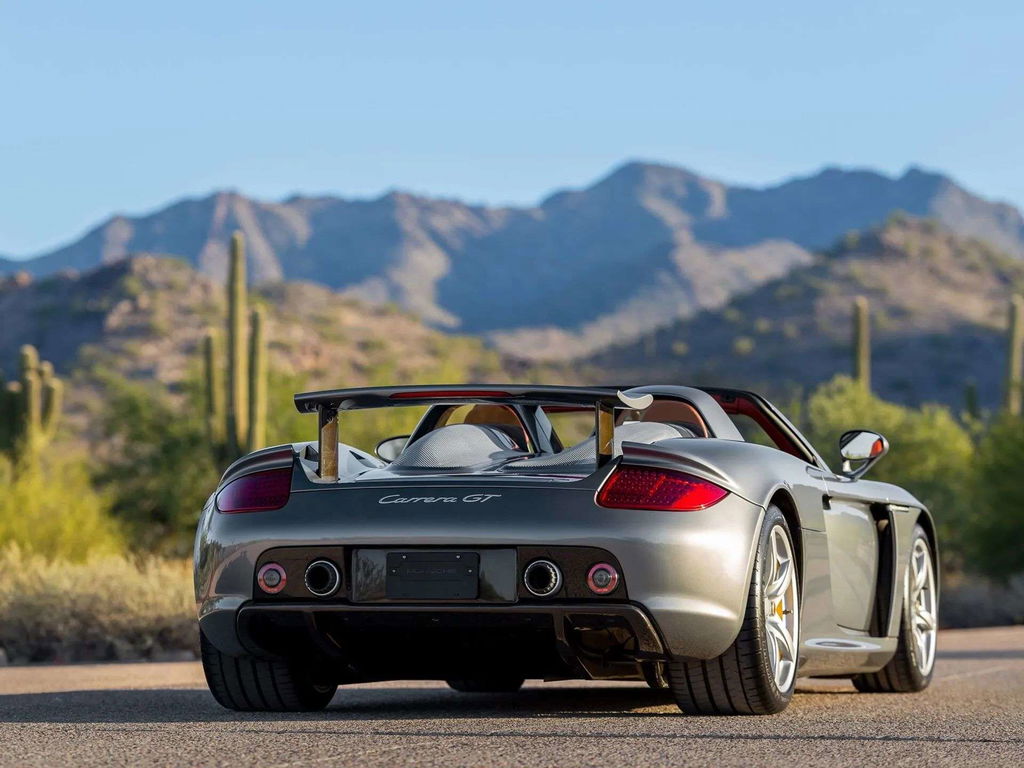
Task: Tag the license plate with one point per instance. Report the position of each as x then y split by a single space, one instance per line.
433 575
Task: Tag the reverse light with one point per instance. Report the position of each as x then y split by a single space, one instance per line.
658 489
257 492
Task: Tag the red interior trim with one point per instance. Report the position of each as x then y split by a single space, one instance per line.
737 405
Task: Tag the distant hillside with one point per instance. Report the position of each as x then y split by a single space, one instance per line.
939 304
144 318
641 247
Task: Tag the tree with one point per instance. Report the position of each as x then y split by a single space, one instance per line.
158 464
998 499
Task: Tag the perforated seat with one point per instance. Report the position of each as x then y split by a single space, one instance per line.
457 446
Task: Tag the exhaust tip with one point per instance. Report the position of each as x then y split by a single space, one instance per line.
602 579
272 578
322 578
542 578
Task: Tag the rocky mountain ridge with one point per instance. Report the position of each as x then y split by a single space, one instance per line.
640 248
939 305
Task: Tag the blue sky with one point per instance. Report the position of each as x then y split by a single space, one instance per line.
124 106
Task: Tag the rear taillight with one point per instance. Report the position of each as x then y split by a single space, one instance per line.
256 492
661 489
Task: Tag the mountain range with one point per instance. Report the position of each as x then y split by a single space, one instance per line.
641 248
939 307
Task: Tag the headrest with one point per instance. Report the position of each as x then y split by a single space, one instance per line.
455 447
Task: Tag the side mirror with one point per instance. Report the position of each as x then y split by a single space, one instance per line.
389 448
860 449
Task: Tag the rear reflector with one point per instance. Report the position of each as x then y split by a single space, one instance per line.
256 492
272 578
602 579
659 489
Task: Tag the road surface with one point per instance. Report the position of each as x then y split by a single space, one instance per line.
161 714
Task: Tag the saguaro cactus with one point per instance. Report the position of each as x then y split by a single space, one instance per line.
238 386
31 408
971 406
257 382
1014 394
213 388
236 414
862 342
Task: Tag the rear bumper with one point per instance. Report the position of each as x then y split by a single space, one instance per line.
687 574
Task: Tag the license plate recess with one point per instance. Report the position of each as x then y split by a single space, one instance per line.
433 575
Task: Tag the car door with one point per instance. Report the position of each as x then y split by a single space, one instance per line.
852 536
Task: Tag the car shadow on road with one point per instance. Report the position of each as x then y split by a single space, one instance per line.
369 704
412 712
409 712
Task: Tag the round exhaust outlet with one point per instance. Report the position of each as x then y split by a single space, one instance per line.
542 578
322 578
272 578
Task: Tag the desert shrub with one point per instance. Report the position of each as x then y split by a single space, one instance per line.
157 465
997 519
743 345
103 608
930 452
55 513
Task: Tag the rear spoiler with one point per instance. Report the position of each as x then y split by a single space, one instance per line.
327 404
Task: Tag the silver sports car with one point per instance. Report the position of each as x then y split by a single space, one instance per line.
692 539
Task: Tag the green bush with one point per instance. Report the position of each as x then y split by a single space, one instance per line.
997 494
158 465
55 513
104 608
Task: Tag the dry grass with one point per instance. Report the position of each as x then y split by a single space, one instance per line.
108 607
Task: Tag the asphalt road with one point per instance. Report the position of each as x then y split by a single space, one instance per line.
161 714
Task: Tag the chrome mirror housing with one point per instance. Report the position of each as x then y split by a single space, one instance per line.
860 449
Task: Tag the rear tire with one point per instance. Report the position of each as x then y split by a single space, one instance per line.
745 680
249 684
489 684
911 668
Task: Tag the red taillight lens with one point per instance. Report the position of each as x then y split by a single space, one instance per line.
644 488
256 492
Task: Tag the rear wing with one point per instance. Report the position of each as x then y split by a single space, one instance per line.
329 403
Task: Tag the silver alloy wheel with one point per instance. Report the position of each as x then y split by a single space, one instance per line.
781 611
923 623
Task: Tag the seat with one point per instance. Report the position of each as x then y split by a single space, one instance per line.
499 417
458 446
678 413
585 452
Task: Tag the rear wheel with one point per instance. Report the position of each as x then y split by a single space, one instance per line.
248 684
757 674
910 669
486 684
